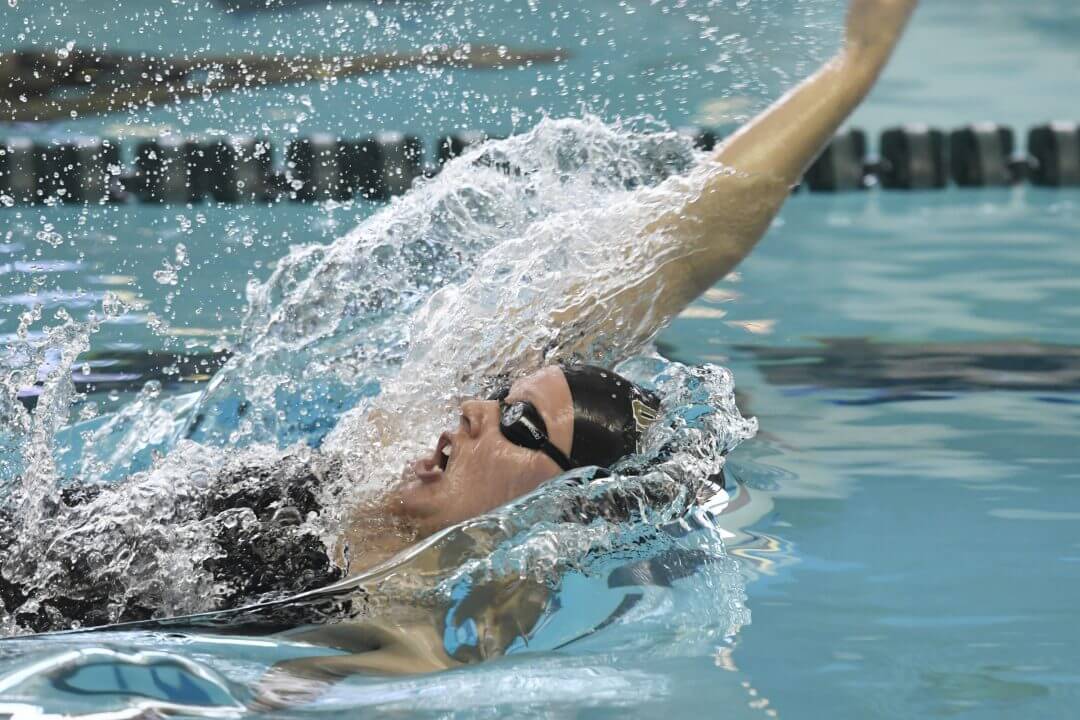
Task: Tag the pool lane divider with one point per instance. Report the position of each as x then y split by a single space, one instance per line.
175 170
919 157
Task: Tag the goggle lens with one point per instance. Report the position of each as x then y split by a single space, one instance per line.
522 425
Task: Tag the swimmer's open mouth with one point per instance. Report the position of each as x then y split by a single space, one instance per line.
443 451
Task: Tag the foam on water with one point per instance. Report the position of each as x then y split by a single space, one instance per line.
360 348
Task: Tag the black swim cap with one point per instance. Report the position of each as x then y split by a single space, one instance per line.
610 414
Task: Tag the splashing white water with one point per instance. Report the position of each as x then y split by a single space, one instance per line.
458 280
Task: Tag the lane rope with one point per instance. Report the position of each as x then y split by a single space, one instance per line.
175 170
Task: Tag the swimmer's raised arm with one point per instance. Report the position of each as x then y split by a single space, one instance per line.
784 139
720 224
729 203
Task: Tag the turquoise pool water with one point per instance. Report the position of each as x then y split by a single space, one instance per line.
910 547
924 519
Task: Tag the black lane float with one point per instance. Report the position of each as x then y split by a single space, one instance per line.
841 165
1055 149
175 170
919 157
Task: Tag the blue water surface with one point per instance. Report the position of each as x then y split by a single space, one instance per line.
914 550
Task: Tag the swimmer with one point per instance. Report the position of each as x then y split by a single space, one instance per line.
559 417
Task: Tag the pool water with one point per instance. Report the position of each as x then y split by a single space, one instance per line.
910 545
925 501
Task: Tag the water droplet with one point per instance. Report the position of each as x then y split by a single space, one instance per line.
151 390
166 276
50 236
112 305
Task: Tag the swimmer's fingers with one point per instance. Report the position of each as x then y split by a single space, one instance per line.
876 25
293 682
301 680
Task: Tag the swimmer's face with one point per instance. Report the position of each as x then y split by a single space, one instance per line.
483 469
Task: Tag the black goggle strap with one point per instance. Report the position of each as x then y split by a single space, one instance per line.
557 455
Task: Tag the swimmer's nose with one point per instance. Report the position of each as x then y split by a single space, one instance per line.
477 415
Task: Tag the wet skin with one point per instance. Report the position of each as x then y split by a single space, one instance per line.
483 469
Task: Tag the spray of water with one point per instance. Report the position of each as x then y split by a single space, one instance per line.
359 348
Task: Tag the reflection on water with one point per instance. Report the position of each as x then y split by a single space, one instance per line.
99 679
906 367
930 545
894 371
114 372
957 692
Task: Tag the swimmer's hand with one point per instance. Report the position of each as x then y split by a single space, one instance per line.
875 26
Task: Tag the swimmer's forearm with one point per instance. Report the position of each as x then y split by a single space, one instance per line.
724 218
726 210
783 140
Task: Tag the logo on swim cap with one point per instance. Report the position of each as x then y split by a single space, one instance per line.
644 416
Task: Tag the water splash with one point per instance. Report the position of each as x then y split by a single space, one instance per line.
48 362
335 322
454 282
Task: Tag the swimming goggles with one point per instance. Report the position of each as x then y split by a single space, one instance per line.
520 423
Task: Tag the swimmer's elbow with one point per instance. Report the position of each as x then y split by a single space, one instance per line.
711 235
724 222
